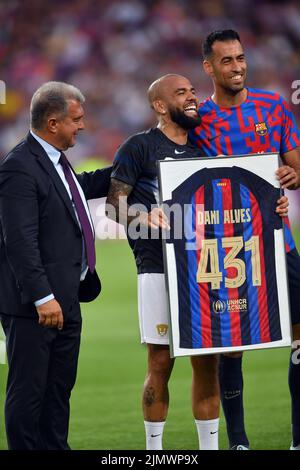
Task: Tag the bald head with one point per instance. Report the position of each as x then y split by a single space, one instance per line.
174 101
160 88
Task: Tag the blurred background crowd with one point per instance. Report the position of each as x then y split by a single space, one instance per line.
113 49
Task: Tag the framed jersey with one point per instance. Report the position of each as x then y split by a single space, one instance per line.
224 255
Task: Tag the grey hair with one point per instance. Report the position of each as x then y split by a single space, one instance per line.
52 98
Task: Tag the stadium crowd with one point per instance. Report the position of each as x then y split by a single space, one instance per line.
113 49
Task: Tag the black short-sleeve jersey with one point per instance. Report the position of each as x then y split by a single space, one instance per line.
136 164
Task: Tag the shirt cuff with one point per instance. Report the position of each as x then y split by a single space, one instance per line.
42 301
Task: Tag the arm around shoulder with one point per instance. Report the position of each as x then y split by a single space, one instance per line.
95 184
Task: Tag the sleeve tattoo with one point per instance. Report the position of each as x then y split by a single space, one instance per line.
116 203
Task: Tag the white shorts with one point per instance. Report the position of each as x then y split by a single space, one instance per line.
153 308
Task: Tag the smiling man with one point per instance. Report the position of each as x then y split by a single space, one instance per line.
47 267
134 177
239 120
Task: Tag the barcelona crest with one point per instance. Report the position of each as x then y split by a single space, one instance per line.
261 128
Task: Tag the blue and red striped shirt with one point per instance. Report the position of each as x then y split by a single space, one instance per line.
263 123
227 290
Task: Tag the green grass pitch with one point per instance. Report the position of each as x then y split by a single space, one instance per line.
106 402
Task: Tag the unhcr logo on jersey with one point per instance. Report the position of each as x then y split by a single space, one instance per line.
232 305
219 306
236 305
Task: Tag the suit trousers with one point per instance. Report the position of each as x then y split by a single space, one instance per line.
42 372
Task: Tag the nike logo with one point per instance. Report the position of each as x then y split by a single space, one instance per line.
179 153
215 432
234 395
155 435
213 137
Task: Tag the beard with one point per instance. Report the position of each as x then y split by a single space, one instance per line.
184 121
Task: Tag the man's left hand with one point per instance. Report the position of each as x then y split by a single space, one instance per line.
287 177
282 206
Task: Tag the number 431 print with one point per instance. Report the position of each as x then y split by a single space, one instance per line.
210 250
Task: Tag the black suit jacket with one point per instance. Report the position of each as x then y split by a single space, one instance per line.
40 239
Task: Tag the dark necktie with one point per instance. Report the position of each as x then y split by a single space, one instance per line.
81 212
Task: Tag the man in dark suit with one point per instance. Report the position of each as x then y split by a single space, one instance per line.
47 266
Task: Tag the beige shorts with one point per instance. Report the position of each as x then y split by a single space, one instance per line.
153 308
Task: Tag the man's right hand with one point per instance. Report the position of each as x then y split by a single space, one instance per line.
155 219
50 314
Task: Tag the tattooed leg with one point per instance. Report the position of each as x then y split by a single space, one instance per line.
156 394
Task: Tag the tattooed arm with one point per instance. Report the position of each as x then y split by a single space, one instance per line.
117 197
